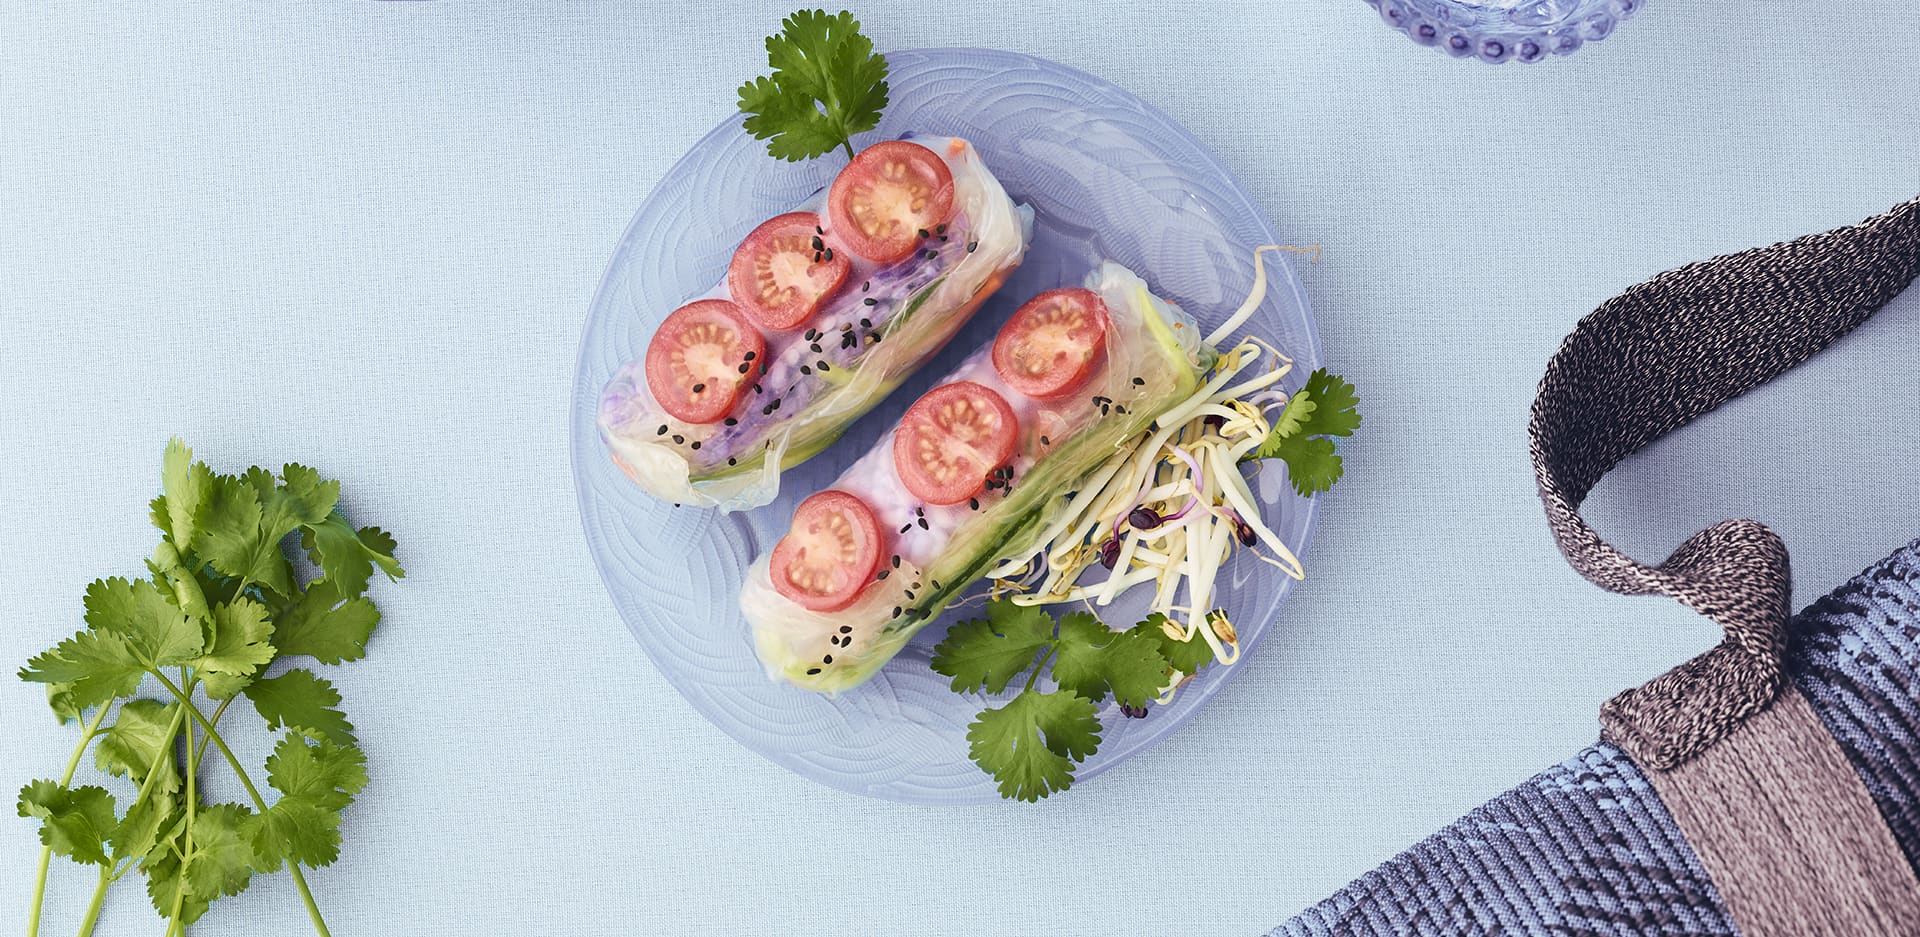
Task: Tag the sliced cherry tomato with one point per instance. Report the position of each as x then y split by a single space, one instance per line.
951 439
698 360
829 554
782 273
1053 343
891 193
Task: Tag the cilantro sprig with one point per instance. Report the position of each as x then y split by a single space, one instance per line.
1032 744
220 607
827 85
1326 406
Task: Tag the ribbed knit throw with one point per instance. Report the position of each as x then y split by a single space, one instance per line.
1748 810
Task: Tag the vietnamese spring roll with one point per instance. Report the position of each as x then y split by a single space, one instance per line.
823 312
969 477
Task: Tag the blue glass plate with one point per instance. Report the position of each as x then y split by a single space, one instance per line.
1109 176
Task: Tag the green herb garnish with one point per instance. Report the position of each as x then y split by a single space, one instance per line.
220 606
1032 744
1326 406
827 85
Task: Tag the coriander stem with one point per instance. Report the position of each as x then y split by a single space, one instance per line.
193 800
1031 678
46 852
93 907
240 771
848 146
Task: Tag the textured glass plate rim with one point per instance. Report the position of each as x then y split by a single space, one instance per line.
583 439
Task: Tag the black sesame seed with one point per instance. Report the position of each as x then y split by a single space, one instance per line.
729 421
883 574
971 245
896 611
923 524
819 244
940 229
863 286
846 629
732 461
819 230
747 357
973 504
829 253
815 346
677 438
813 671
662 431
871 302
776 403
849 340
745 367
1139 382
866 323
896 561
805 370
756 388
822 365
700 388
929 253
696 444
1045 441
906 528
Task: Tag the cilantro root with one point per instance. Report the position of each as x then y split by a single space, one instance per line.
221 606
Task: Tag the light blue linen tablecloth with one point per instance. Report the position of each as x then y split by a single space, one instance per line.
363 237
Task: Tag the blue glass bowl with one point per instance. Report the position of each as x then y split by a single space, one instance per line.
1497 31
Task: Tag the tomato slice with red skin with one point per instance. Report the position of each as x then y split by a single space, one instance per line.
950 440
785 270
891 193
829 553
1053 343
698 360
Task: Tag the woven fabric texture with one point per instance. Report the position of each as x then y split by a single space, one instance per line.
1585 849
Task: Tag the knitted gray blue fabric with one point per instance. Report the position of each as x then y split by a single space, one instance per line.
1585 849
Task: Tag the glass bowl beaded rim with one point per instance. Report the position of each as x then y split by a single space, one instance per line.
1529 32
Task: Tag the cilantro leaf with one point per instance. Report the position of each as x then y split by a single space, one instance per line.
303 500
987 653
74 821
1094 660
346 557
296 831
303 702
142 734
239 645
1184 654
321 626
1311 464
235 540
157 632
148 824
317 772
1336 411
1325 406
170 573
1031 744
827 85
60 700
222 858
1294 416
94 667
187 485
165 884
